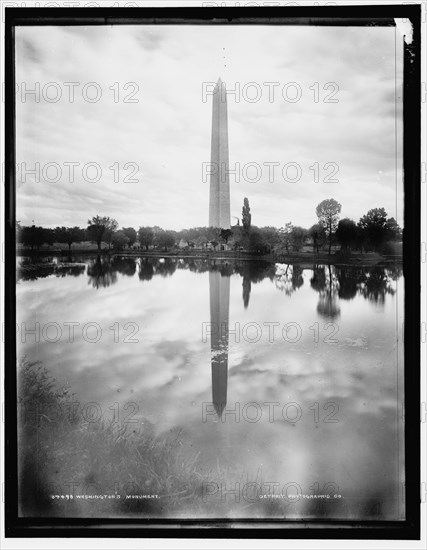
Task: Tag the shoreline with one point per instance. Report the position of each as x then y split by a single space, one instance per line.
366 259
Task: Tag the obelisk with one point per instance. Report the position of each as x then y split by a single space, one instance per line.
219 199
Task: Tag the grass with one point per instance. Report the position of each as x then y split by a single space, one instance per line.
60 453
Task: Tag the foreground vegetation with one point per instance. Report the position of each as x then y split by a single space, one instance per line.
63 453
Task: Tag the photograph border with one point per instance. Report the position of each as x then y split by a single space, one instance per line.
362 15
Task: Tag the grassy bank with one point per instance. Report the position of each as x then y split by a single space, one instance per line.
61 453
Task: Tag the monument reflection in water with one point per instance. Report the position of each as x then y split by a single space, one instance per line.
219 293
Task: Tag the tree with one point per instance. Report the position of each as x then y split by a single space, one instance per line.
211 233
225 234
30 236
317 234
298 236
240 238
185 235
374 227
190 236
48 235
257 243
101 228
145 236
246 215
119 239
271 236
347 233
285 236
393 230
69 235
328 213
164 239
109 232
201 241
130 234
36 236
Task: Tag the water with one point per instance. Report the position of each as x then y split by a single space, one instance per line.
302 395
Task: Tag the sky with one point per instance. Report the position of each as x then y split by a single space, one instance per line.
129 135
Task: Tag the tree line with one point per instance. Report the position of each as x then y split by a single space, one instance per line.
373 232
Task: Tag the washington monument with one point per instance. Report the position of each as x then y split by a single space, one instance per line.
219 199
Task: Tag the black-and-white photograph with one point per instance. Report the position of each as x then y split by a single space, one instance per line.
210 224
